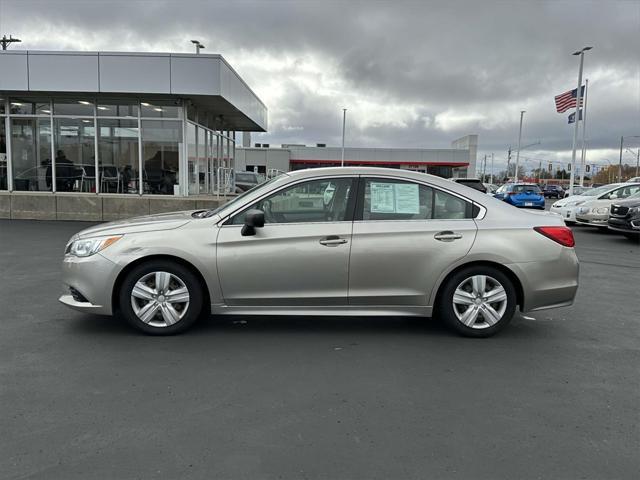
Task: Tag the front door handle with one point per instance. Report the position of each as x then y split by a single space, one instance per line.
332 241
447 236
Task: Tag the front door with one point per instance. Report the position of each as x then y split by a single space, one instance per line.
300 257
404 236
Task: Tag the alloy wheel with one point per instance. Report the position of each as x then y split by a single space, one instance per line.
479 301
160 299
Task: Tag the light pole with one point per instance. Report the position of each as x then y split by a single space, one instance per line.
584 132
519 142
620 163
637 159
577 122
198 46
344 121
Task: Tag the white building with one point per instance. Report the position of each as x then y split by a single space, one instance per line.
457 161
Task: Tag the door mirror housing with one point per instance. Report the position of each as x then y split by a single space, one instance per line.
252 219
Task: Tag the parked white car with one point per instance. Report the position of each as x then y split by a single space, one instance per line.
566 207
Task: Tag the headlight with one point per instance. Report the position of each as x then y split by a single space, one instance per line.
90 246
600 210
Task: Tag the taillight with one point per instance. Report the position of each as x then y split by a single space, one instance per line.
562 235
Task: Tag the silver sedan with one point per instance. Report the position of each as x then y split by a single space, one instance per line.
331 241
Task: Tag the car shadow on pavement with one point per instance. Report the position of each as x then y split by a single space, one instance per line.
85 324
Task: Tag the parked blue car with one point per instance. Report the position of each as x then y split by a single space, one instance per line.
522 195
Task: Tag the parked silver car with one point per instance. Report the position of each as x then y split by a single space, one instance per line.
386 242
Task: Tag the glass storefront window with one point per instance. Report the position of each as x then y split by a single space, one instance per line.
19 106
202 161
80 107
75 154
117 110
31 154
118 156
2 106
160 109
161 144
192 159
4 183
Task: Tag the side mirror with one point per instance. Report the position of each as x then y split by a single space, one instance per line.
252 219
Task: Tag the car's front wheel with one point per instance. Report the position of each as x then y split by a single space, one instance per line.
478 301
161 297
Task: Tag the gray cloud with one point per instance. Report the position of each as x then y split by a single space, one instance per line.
412 73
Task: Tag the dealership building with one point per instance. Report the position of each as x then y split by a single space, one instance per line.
104 135
457 161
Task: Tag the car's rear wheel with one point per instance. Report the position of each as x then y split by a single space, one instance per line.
478 301
161 297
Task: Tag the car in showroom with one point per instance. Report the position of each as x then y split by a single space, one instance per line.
624 217
553 191
387 242
566 207
521 195
595 212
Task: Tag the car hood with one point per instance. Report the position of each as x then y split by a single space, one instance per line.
573 198
628 202
148 223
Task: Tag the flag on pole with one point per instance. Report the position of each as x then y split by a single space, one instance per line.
567 100
572 116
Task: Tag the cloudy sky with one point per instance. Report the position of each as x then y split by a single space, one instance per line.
410 73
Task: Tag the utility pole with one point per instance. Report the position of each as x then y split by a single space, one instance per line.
509 161
519 143
484 168
6 41
577 122
491 178
620 164
344 121
584 132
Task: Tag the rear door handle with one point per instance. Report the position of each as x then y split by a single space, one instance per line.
332 241
447 236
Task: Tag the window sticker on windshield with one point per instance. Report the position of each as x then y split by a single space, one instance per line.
394 198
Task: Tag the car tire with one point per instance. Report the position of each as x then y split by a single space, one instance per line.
466 290
166 309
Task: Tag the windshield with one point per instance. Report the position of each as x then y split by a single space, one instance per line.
599 190
239 198
526 188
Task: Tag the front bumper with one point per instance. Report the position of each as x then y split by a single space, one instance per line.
568 214
594 220
625 225
92 278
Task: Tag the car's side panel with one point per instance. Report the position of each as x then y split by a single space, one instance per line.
397 262
284 264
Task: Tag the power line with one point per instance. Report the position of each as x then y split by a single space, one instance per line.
6 41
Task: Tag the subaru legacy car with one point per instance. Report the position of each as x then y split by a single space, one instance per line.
328 241
522 195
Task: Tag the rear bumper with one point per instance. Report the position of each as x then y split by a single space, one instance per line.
549 284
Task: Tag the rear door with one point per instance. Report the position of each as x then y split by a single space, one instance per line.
404 235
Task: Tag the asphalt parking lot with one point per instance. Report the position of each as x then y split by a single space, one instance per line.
554 396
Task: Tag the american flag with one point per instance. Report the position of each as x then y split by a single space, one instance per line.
567 100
